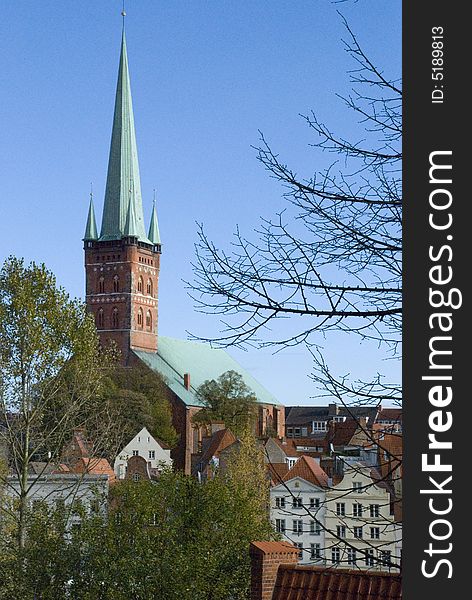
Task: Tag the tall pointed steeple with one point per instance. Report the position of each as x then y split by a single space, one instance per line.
123 166
154 234
91 227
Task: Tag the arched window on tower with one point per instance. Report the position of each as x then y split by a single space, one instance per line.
101 285
140 285
140 318
116 283
149 287
115 320
148 319
100 318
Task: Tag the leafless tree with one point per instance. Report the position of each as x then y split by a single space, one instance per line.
330 261
332 258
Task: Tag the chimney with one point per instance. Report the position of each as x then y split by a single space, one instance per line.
217 426
265 560
333 409
187 381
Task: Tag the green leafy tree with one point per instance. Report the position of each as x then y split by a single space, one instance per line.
140 399
227 399
50 364
172 539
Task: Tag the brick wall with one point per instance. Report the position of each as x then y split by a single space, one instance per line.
136 272
266 557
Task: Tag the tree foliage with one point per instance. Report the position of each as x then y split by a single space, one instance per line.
140 399
51 372
227 399
174 539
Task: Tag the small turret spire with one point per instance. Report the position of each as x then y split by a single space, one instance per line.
131 225
91 233
154 234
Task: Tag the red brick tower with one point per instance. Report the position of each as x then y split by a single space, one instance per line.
122 263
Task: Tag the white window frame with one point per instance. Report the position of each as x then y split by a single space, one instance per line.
375 533
280 525
357 509
297 527
315 527
352 556
374 511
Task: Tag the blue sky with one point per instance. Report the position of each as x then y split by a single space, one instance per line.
205 76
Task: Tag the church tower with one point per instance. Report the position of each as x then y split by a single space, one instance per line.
122 262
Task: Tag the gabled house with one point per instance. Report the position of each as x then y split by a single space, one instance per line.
297 508
156 454
206 462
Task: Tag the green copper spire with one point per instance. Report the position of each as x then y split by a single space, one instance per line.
153 234
131 225
123 166
91 227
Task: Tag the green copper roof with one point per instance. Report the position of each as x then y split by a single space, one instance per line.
123 181
91 227
154 234
131 225
176 357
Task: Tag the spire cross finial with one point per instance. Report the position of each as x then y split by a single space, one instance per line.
91 190
154 197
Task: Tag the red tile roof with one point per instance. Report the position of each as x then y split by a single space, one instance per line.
288 446
277 472
341 434
315 583
307 468
390 414
94 466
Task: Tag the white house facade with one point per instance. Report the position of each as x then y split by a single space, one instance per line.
297 509
144 445
361 532
62 491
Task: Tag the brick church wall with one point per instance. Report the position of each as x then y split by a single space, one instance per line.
134 268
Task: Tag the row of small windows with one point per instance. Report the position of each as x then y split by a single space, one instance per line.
147 261
351 556
117 287
115 318
108 257
297 502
